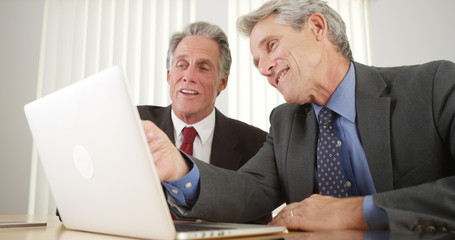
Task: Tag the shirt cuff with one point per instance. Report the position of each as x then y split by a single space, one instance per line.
186 189
375 218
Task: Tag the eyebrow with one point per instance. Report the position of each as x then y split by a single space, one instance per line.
182 56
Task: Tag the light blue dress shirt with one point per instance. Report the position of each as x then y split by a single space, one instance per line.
354 163
353 160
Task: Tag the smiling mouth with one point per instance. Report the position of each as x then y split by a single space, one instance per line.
281 76
189 92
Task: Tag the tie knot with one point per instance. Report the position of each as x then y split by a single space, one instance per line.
326 116
189 133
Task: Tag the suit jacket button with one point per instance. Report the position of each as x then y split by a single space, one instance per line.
431 229
418 228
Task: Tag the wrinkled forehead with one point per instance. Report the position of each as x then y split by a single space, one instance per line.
197 48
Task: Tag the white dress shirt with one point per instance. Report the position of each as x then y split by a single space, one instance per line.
202 145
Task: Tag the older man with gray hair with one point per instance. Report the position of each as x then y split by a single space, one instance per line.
354 147
198 65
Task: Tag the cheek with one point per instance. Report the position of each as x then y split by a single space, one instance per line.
173 79
209 84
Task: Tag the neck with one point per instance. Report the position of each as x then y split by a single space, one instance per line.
191 119
338 67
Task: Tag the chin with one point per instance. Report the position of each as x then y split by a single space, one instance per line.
187 111
290 100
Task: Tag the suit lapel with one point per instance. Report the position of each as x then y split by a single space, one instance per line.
301 155
373 113
223 145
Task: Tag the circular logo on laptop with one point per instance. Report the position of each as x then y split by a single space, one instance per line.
83 161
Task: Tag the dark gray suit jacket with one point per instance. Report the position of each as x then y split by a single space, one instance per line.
406 118
234 142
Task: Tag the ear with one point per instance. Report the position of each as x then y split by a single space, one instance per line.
222 86
318 25
168 76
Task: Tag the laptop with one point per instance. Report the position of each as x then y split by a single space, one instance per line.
95 155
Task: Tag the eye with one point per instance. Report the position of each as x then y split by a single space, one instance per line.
181 64
204 67
272 44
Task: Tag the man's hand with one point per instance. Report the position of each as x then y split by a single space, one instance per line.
168 160
322 213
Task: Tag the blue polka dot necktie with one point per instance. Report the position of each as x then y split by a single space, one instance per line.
330 176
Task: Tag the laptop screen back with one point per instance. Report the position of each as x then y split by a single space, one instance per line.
93 150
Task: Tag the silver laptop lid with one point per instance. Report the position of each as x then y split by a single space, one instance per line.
93 150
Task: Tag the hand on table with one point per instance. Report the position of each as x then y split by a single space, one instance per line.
323 213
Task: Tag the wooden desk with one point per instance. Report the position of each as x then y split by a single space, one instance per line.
56 231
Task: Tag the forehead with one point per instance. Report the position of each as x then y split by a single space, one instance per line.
197 47
263 29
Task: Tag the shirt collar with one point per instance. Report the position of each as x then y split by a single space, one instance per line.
342 100
204 128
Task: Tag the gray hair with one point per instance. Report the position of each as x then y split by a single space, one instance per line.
208 31
295 13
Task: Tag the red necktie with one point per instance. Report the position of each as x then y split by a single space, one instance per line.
189 133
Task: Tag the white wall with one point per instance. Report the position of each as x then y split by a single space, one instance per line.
402 32
407 32
20 29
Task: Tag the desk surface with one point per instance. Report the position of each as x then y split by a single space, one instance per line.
55 230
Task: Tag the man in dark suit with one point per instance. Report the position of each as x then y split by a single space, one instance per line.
383 137
198 65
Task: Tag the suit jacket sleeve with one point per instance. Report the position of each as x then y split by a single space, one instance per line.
430 206
239 196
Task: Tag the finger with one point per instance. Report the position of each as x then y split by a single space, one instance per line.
291 216
156 145
290 222
148 129
286 211
156 138
280 218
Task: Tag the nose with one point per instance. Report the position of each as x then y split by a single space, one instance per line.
189 75
266 67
